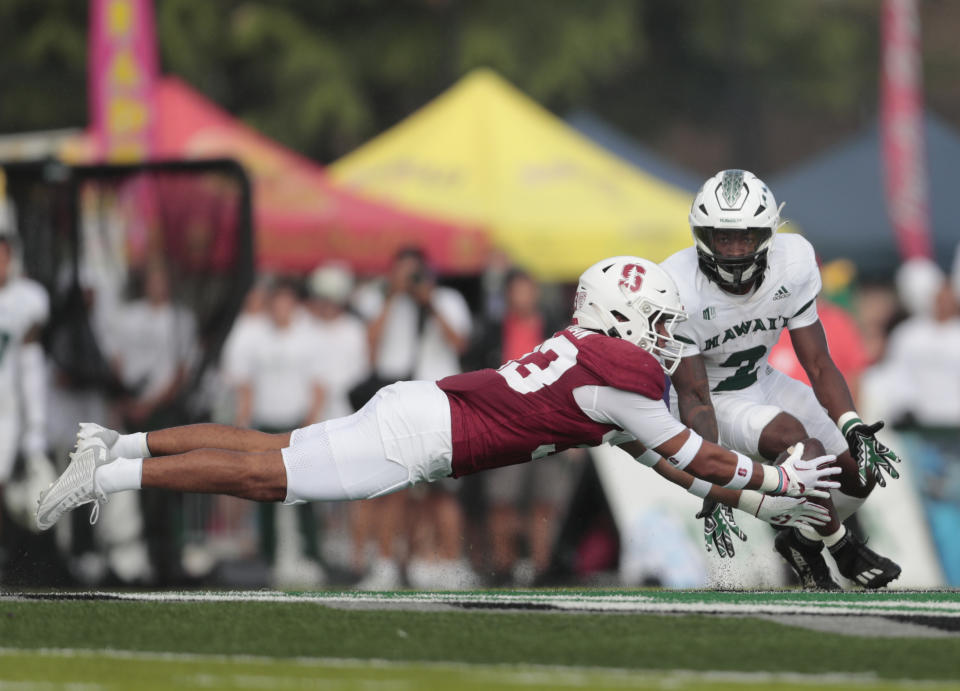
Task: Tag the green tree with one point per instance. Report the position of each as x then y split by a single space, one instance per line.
751 81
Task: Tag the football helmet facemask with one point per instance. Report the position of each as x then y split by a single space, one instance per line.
733 218
633 299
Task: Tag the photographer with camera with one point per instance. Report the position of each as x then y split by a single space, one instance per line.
417 330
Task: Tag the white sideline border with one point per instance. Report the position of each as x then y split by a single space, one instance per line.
783 604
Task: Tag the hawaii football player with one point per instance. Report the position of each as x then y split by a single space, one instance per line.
600 380
742 283
24 308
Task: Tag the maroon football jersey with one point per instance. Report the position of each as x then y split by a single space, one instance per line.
526 409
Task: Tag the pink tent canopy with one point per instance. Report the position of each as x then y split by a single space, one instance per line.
301 217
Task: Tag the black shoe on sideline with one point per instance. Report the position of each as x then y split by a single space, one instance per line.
806 559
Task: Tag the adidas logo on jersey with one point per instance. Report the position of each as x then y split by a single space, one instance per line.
709 313
781 293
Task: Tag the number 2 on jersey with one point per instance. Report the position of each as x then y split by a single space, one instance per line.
746 374
542 367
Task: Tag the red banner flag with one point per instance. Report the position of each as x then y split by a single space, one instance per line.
122 73
902 128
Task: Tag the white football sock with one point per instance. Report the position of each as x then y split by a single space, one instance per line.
119 475
132 446
828 540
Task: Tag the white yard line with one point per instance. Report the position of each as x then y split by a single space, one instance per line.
637 604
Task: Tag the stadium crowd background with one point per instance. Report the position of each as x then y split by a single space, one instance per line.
305 338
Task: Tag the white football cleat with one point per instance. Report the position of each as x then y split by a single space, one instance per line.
91 430
76 486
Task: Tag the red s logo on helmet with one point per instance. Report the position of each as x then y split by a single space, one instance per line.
632 277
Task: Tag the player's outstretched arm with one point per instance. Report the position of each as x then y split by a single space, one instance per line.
693 397
780 511
720 526
729 469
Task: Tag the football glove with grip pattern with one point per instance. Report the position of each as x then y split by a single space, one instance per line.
719 526
719 523
871 456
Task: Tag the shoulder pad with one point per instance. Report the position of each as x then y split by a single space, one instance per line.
622 365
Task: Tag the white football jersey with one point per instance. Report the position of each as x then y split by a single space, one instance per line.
23 305
735 333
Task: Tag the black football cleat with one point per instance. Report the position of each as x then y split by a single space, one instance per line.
806 560
861 564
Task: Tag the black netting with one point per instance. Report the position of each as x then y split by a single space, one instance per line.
92 234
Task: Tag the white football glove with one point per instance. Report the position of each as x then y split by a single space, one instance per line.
783 511
806 478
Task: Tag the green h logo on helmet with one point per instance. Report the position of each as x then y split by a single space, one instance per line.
730 186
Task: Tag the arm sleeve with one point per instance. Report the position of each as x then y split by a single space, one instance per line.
648 420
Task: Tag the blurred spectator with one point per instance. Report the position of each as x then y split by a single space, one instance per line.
225 524
923 354
343 357
344 361
493 281
417 330
844 339
252 319
76 398
152 347
279 388
918 281
24 308
918 386
540 488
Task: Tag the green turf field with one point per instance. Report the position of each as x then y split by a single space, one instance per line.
544 639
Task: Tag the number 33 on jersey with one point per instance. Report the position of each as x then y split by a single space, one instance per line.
527 408
544 366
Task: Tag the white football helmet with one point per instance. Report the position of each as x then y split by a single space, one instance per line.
628 297
733 219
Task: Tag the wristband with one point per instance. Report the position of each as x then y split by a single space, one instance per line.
848 420
742 474
649 458
700 488
686 453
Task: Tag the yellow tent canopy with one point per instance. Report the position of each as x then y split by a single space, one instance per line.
483 152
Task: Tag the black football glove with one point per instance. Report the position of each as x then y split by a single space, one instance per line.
871 456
